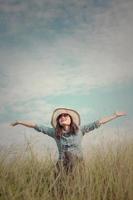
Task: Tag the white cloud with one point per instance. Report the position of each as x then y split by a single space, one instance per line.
91 55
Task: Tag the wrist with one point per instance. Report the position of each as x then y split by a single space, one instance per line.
115 115
18 122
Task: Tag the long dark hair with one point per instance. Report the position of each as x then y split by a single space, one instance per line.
59 129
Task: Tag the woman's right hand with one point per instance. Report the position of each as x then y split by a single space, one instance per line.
14 123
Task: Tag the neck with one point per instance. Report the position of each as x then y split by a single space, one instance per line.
66 127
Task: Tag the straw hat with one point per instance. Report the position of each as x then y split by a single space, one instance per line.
74 114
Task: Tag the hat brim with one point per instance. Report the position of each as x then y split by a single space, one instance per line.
74 114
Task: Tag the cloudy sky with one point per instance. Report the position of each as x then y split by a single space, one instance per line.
57 53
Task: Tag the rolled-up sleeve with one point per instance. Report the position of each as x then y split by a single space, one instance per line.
90 127
46 130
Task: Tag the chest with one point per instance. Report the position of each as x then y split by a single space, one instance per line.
70 140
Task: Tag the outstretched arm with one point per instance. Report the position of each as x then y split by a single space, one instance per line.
38 127
27 124
109 118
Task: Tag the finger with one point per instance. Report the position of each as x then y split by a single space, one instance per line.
13 124
124 113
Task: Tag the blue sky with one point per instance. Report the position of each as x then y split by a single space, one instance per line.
57 53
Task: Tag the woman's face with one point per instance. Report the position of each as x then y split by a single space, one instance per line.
64 119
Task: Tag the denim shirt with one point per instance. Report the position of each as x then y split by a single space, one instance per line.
68 141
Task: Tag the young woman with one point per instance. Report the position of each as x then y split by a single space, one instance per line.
68 134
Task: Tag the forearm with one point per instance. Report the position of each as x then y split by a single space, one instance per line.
107 119
27 124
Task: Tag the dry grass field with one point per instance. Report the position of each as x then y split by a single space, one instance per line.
107 175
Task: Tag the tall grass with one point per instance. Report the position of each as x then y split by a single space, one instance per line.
107 175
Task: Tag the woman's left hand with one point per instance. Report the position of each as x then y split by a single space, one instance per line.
119 114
